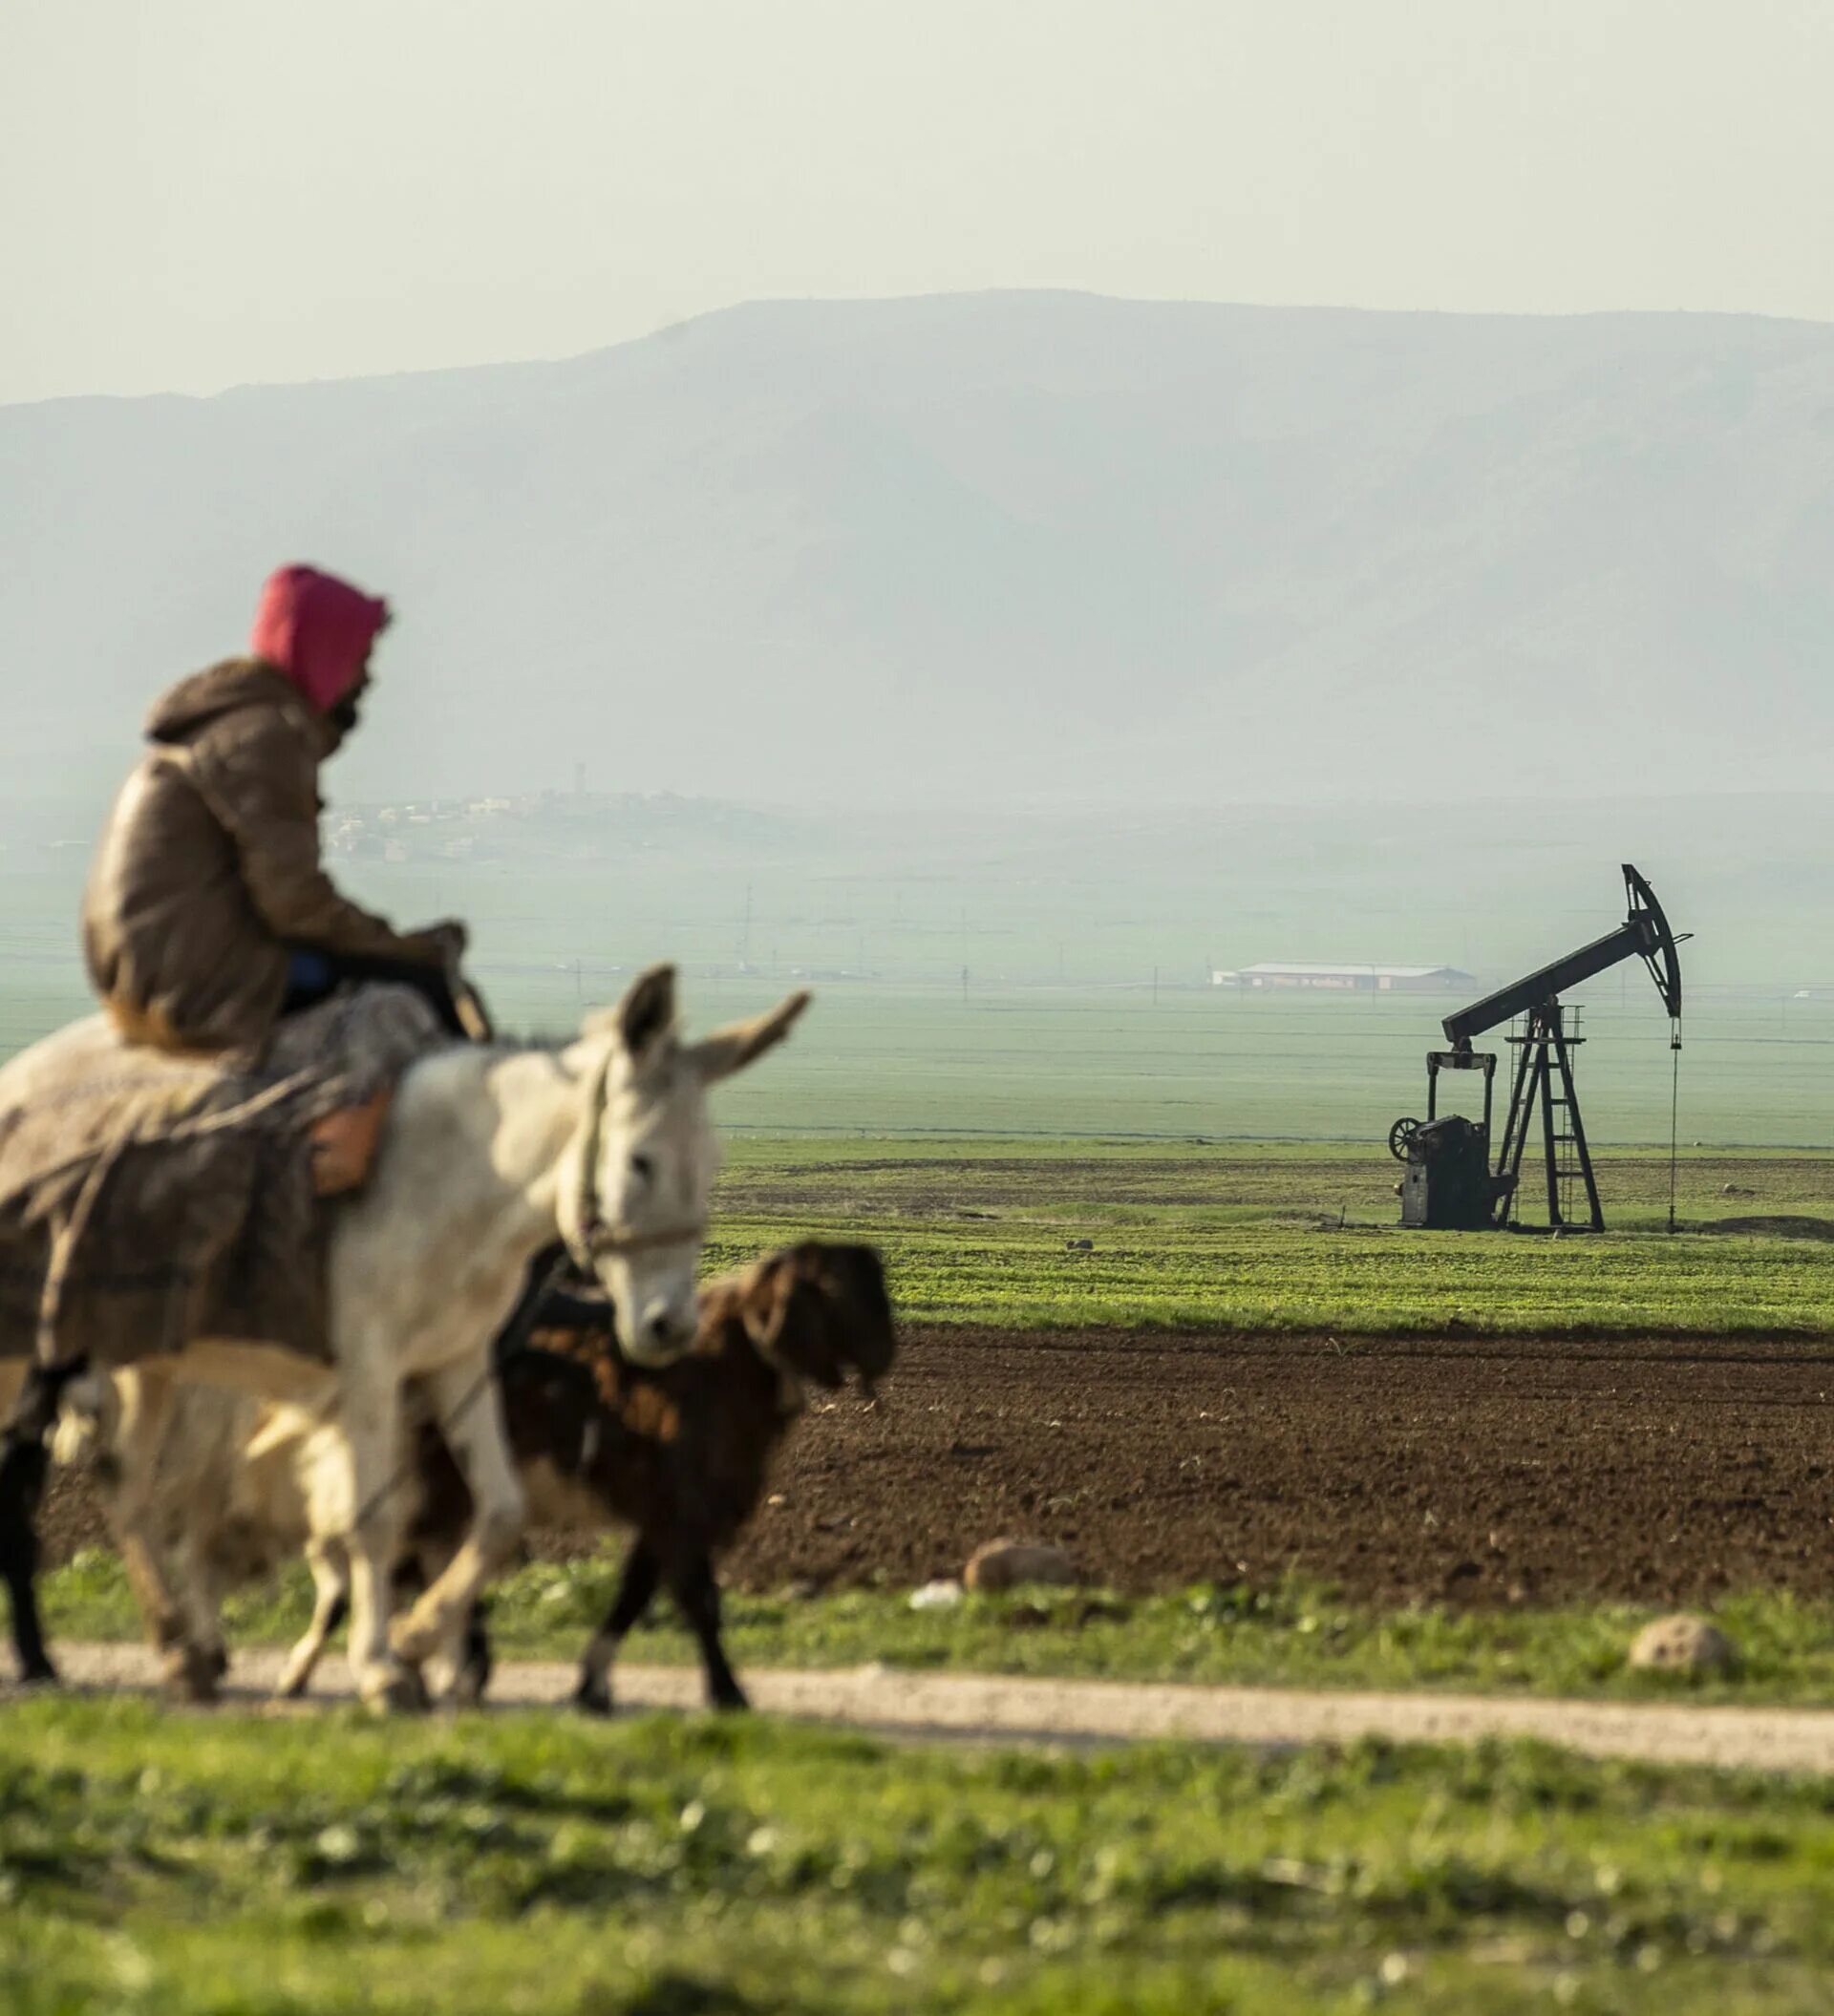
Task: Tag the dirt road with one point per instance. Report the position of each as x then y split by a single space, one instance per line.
963 1705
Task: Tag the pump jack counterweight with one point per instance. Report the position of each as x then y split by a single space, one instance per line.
1447 1179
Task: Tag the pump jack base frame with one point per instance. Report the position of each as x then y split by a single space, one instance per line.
1545 1077
1542 1078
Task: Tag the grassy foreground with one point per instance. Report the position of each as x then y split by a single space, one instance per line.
1265 1237
162 1864
1295 1635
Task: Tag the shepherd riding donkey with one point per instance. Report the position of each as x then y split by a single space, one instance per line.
268 1164
490 1154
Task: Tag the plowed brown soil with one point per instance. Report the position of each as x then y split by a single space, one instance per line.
1434 1469
1429 1469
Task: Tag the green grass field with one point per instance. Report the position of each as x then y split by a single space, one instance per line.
1059 1030
1283 1237
159 1863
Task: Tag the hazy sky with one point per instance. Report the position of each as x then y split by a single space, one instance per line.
196 193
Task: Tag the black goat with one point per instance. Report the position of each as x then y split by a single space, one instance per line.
682 1455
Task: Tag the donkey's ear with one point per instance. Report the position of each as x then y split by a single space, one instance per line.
643 1017
729 1050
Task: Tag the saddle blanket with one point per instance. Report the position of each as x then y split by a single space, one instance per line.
148 1200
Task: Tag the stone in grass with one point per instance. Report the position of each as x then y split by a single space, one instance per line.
1008 1564
1683 1645
944 1594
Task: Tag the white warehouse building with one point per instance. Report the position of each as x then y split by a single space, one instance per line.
1345 979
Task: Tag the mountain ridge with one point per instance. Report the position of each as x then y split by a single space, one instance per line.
1002 547
767 304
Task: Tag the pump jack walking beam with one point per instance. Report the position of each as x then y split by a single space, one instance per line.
1644 934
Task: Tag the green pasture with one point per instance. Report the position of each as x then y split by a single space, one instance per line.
1221 1151
994 993
156 1863
1283 1237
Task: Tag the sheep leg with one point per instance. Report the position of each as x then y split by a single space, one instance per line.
199 1599
468 1406
331 1567
697 1595
199 1586
636 1591
472 1680
461 1675
146 1396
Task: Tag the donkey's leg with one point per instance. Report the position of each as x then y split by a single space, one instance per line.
24 1461
468 1407
370 1420
330 1566
636 1591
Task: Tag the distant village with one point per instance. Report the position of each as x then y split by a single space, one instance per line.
578 824
450 828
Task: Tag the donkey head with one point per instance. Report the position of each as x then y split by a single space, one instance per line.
635 1190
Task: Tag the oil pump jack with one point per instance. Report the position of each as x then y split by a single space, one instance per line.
1447 1182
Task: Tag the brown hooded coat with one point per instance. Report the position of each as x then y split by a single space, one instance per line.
208 871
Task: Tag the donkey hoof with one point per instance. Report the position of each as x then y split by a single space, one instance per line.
192 1673
469 1685
395 1690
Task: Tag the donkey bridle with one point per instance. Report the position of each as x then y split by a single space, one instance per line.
594 1240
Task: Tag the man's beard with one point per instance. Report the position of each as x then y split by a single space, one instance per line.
344 715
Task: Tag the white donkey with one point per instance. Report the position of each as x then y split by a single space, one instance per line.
491 1152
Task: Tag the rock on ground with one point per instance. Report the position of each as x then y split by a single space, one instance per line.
1683 1645
1006 1564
